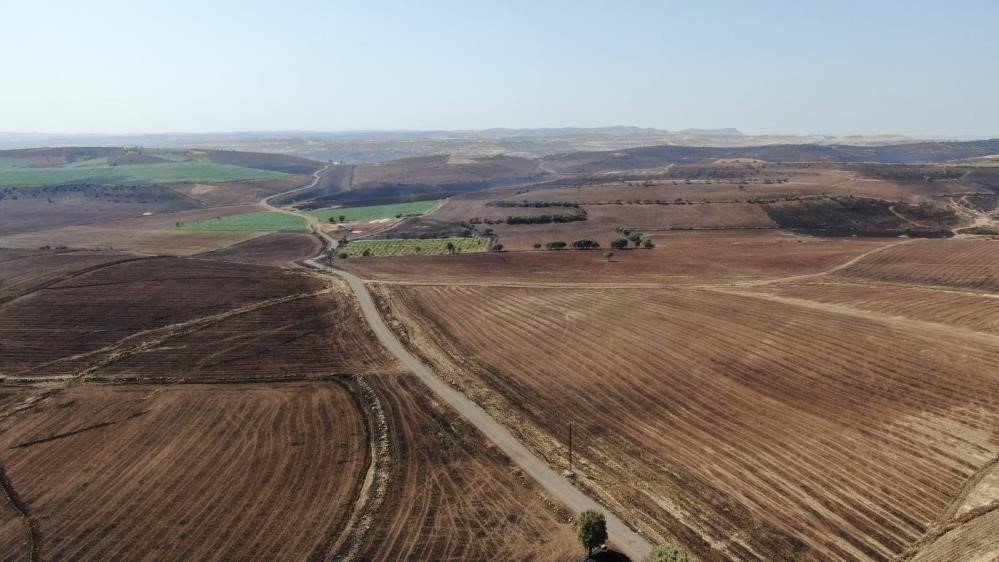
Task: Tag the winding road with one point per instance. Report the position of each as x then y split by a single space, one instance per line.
623 537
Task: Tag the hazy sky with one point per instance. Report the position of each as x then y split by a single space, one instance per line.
765 67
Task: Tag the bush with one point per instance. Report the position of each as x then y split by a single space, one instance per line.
668 553
366 253
498 247
585 244
556 245
648 244
343 255
591 530
537 245
620 243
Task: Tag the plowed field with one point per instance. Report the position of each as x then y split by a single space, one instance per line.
187 472
743 427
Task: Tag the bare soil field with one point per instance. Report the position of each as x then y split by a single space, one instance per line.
276 463
452 496
742 427
26 271
300 338
150 242
966 264
240 192
37 210
187 472
43 330
679 257
278 249
968 309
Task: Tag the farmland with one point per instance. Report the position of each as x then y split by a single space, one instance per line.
424 247
112 417
181 472
372 212
159 173
702 428
263 221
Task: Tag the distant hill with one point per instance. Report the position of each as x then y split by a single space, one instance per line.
656 156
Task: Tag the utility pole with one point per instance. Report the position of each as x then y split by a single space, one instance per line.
569 472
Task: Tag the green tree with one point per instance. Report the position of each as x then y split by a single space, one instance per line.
450 247
669 553
591 528
537 245
648 244
366 253
608 255
620 244
498 247
343 218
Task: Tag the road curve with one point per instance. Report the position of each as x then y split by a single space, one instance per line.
624 538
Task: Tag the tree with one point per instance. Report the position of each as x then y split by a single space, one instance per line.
608 255
498 247
648 244
450 247
619 244
591 528
343 218
537 245
668 553
366 253
556 245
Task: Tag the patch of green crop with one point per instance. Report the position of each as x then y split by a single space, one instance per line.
415 247
139 174
373 212
264 221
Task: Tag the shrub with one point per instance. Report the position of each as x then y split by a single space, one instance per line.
585 244
556 245
498 247
648 244
537 245
620 243
668 553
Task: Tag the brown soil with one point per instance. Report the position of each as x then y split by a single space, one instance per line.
150 242
744 428
279 249
679 257
188 472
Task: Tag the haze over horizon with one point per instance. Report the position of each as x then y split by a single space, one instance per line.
113 67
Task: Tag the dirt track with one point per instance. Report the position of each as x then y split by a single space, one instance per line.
628 541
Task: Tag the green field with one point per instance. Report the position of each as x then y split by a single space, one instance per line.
168 172
415 247
264 221
352 214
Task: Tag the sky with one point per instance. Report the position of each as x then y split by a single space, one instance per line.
906 67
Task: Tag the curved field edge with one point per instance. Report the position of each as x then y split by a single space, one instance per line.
185 471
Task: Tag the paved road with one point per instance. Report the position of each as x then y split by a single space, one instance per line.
626 540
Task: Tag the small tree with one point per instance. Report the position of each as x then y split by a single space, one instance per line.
498 247
366 253
608 255
619 244
343 218
343 255
591 528
537 245
450 247
648 244
668 553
